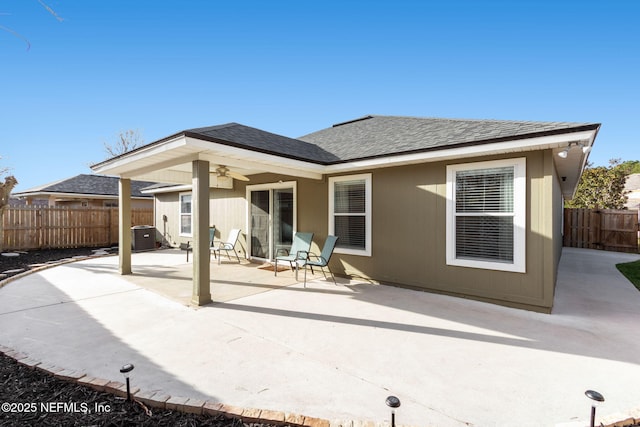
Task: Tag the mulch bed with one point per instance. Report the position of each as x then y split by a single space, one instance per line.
32 397
27 260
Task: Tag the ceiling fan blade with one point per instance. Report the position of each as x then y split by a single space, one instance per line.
237 176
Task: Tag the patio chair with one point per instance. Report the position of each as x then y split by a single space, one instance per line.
187 246
299 248
229 245
321 261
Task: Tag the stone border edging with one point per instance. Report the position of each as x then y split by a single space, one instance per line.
160 400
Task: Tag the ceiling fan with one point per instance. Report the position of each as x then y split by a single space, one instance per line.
223 171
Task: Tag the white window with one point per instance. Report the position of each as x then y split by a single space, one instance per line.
350 213
185 214
486 215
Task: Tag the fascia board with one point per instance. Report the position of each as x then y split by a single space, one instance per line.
172 189
118 165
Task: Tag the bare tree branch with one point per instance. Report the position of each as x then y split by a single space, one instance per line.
126 141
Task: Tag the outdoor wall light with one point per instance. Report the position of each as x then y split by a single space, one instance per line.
596 397
393 402
564 153
125 371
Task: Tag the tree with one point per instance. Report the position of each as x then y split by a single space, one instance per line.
601 187
5 189
5 192
630 166
126 141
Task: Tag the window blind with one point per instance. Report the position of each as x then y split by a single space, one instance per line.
349 206
484 214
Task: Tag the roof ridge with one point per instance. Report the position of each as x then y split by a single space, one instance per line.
475 120
352 121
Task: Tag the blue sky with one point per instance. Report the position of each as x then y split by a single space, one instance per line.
294 67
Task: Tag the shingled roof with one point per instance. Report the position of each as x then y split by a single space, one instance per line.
242 136
89 185
376 136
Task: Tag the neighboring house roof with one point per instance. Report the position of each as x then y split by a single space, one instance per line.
632 183
87 186
632 190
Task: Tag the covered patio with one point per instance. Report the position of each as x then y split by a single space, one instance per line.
200 161
166 272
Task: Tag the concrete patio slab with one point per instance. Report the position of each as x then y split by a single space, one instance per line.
336 352
168 273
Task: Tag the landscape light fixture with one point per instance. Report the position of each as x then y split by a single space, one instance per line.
596 397
125 371
393 402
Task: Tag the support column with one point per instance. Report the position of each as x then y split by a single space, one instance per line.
124 225
200 211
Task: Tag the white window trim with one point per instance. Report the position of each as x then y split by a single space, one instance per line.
180 233
367 189
519 220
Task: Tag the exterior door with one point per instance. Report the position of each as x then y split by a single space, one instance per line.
271 219
259 218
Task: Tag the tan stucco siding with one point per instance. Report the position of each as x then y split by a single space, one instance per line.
167 219
557 224
227 210
409 230
409 237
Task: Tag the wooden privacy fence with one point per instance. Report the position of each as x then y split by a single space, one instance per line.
36 227
610 230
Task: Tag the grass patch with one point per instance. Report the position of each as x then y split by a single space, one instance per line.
631 270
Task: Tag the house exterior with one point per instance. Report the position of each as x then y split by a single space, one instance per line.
632 190
470 208
85 190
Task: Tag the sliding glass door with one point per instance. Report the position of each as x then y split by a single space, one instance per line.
259 217
271 219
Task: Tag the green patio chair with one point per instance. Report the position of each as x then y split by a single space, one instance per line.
187 246
228 245
322 260
299 248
